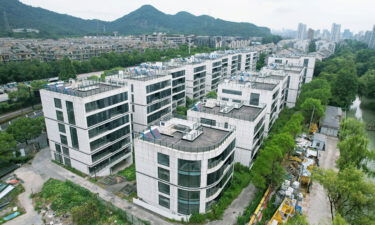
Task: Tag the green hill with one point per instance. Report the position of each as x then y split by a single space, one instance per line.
144 20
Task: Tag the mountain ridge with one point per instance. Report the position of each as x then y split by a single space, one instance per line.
145 20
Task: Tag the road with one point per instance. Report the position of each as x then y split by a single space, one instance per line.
43 168
316 204
237 207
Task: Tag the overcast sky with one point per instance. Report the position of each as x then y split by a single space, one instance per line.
275 14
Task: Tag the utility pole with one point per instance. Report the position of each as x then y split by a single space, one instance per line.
189 44
312 115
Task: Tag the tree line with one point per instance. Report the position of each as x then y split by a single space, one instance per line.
66 68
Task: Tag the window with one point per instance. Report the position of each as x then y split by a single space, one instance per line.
163 188
74 137
163 174
163 159
62 128
236 101
254 99
57 103
305 62
189 173
64 140
158 105
164 201
155 116
59 115
132 98
158 95
208 121
111 137
108 126
111 149
105 102
108 114
218 159
132 88
65 150
67 162
232 92
158 86
188 202
70 112
58 148
58 158
225 99
198 69
178 74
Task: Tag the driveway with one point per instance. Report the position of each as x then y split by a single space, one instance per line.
316 205
32 184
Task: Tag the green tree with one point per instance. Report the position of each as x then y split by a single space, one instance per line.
7 146
285 141
36 85
318 88
344 88
211 94
261 61
338 220
267 169
312 46
349 193
23 94
351 126
67 70
312 109
354 152
25 129
367 84
294 125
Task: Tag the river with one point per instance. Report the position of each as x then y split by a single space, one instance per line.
366 116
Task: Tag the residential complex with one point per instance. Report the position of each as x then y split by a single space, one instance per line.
89 125
182 165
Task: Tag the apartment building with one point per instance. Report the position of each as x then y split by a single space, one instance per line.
89 125
183 166
196 72
257 90
150 94
296 60
248 120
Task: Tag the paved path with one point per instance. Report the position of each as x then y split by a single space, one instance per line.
32 183
316 205
237 207
42 168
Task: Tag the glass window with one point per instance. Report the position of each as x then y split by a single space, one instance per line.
158 95
188 202
64 140
65 150
74 137
163 159
155 116
163 188
232 92
67 162
189 165
111 137
108 126
105 102
254 99
158 86
58 148
62 128
208 121
70 112
189 179
58 158
178 74
158 105
236 101
164 201
107 114
57 103
59 115
112 148
163 174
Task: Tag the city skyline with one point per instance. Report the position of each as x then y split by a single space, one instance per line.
351 15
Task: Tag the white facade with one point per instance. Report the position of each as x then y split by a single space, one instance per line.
336 32
88 126
249 122
294 60
301 32
150 95
182 167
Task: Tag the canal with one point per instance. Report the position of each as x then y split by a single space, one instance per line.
367 116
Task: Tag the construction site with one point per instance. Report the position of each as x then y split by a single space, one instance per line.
290 198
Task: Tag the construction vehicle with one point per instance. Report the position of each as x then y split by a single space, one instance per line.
284 212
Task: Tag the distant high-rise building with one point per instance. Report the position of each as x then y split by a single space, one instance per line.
335 32
301 32
367 37
371 43
326 35
317 34
310 34
347 34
